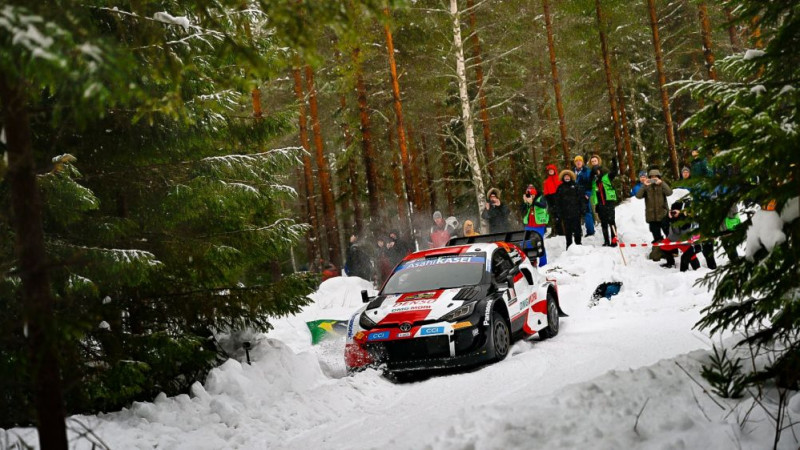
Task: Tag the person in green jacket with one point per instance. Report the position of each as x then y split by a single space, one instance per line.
535 216
604 197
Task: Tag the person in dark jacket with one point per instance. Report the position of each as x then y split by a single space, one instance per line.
604 197
700 166
495 212
655 192
549 190
535 216
358 261
583 177
571 204
682 230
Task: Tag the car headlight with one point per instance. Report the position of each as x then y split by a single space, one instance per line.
459 313
365 322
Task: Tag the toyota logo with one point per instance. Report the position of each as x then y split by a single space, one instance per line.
405 327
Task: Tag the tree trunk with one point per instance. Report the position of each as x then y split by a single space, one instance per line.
476 51
662 81
637 131
626 134
466 114
328 205
38 302
708 54
368 152
732 34
444 162
352 176
416 175
612 96
308 175
397 178
257 113
428 174
398 111
562 124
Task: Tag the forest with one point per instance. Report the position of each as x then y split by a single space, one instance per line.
173 170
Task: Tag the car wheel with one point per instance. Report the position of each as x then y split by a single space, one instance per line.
552 319
501 337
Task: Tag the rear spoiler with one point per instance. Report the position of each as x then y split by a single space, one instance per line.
528 240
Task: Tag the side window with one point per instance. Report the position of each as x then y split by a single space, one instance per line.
501 262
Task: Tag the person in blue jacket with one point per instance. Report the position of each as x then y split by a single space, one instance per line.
583 178
640 184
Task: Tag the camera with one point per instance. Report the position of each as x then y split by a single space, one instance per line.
527 195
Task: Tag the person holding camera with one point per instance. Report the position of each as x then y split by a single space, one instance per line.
535 216
495 212
655 192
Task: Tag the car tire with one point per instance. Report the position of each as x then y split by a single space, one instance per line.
501 337
552 319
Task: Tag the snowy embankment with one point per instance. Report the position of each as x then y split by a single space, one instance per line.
612 378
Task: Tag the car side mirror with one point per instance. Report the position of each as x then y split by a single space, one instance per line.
364 296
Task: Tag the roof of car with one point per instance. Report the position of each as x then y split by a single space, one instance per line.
447 251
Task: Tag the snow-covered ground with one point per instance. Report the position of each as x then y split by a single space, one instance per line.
613 378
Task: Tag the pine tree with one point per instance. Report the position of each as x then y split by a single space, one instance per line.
172 227
752 145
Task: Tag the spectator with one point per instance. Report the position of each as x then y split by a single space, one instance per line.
440 234
583 178
383 263
329 270
535 216
640 184
571 205
686 173
550 186
469 229
680 230
655 193
401 245
358 261
700 167
495 212
604 197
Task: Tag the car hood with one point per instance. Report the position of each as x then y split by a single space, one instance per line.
412 307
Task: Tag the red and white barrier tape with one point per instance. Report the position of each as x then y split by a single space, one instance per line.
657 244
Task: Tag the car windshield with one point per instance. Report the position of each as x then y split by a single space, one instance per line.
436 273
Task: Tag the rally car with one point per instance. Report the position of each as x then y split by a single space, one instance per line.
460 305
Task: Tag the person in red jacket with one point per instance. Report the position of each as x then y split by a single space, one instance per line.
550 187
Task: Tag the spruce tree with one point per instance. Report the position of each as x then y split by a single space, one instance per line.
752 145
162 197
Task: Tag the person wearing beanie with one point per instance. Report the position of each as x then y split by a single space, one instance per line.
583 178
535 216
604 198
686 173
440 234
655 192
495 212
549 190
570 206
640 184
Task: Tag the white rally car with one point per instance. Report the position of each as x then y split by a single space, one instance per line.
459 305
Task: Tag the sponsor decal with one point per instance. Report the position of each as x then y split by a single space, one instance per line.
419 296
513 300
359 335
421 302
350 326
401 335
378 336
430 331
524 304
442 260
487 316
460 325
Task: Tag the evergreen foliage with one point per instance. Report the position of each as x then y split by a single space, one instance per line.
176 225
752 145
724 374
